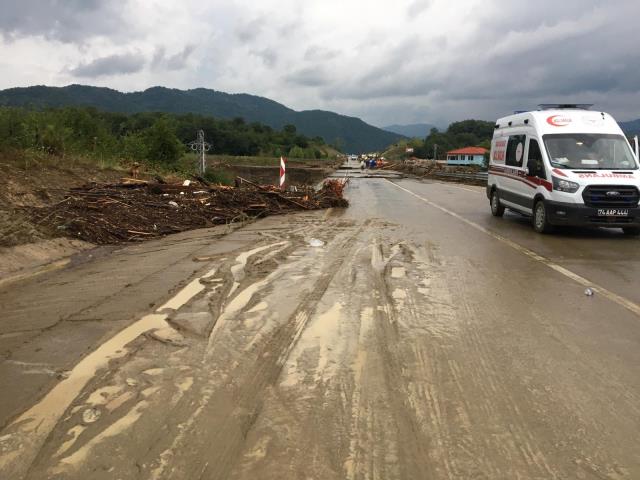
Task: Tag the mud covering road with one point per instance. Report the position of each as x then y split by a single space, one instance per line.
423 339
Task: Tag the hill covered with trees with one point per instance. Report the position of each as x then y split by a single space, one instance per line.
467 133
348 134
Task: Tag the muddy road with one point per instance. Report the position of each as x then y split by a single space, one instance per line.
422 339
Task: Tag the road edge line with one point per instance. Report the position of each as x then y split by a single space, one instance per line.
611 296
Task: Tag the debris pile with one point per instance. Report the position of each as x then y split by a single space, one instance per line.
431 169
134 210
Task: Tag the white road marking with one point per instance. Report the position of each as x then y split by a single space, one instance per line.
614 297
459 187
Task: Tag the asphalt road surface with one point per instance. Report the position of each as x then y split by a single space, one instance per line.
423 339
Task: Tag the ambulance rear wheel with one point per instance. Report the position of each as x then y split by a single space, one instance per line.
540 218
497 210
631 231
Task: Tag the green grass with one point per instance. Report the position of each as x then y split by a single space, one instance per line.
188 165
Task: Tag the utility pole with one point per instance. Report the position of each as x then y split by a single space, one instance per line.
200 146
435 151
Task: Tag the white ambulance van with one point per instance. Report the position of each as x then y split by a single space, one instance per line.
564 165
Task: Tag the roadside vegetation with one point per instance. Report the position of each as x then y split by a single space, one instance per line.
156 139
44 153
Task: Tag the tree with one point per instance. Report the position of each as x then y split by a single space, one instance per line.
161 143
297 152
134 147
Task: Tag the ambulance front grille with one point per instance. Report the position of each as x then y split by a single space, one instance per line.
625 196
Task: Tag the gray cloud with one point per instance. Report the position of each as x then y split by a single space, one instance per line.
316 53
67 21
268 55
418 7
521 57
482 59
249 31
177 61
308 77
110 65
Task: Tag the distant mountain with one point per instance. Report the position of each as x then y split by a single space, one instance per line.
349 133
420 130
631 128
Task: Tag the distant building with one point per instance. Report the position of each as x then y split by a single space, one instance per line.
466 156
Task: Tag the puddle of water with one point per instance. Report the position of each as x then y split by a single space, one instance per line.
399 294
185 385
113 430
119 401
323 333
184 295
147 392
398 272
237 270
260 307
75 433
273 254
32 427
211 273
366 322
102 395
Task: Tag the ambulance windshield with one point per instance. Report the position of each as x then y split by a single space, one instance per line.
581 151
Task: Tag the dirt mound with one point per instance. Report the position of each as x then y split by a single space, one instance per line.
26 183
136 211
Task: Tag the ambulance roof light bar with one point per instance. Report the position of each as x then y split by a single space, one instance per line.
567 106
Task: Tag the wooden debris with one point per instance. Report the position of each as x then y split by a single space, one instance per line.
135 210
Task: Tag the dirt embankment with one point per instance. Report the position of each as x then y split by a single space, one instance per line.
25 184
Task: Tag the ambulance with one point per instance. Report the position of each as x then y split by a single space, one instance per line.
564 165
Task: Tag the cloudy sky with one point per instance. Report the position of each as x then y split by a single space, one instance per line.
401 61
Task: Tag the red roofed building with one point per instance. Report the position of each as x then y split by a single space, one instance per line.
466 156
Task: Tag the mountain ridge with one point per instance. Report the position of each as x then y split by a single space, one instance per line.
632 127
351 134
412 130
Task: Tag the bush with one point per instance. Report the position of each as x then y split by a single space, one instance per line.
218 176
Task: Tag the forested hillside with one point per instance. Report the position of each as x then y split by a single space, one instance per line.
467 133
347 133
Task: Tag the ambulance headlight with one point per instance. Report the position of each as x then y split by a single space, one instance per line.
564 185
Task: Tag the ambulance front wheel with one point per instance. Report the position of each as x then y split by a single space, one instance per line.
497 209
540 218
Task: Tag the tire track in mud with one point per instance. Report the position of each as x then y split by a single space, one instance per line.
327 415
233 398
113 429
358 421
447 402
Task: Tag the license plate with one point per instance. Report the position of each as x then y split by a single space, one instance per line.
613 212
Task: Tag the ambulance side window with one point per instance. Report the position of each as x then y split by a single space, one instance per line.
535 163
515 150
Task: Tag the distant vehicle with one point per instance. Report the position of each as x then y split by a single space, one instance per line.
564 165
